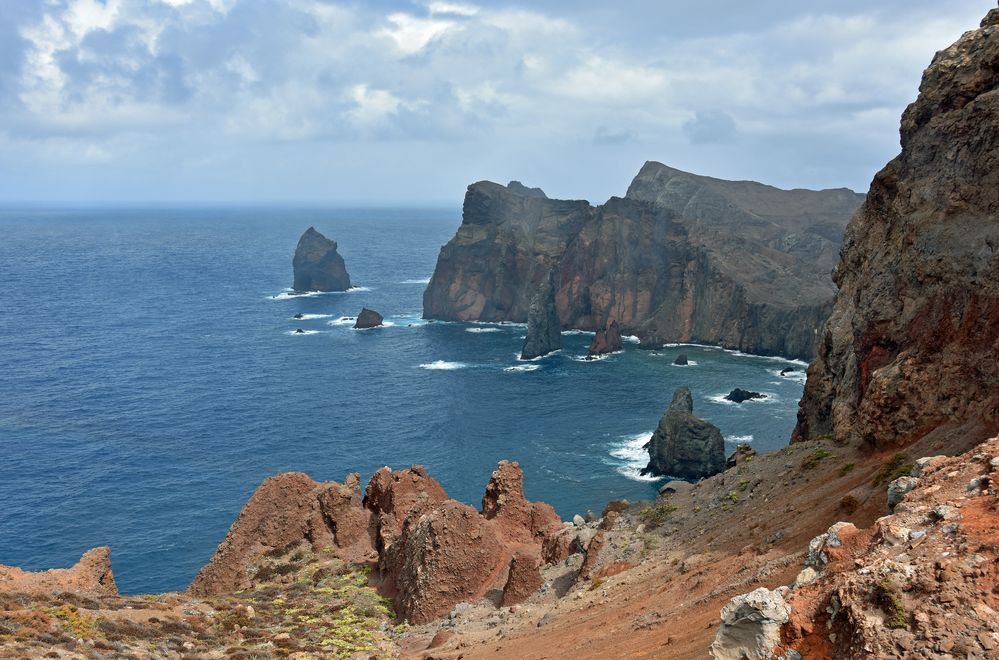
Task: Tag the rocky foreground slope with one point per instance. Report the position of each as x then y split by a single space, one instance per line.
680 258
911 346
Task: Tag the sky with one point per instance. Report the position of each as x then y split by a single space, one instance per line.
396 102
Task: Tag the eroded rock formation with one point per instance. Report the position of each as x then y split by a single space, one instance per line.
91 576
683 445
910 347
317 265
544 329
681 258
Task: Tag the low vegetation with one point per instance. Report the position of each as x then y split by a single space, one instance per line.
897 466
656 515
816 457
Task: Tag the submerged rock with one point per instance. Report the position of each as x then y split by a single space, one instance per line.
368 318
683 445
681 360
544 331
607 340
317 264
739 395
788 370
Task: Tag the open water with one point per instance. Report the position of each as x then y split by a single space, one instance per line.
150 378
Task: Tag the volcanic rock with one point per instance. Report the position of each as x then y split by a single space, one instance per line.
443 557
518 519
368 318
787 370
284 511
544 330
750 626
681 360
681 258
607 340
91 576
299 316
739 395
392 496
910 347
524 577
743 453
683 445
317 265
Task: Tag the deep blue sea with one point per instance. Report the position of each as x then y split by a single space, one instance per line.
150 378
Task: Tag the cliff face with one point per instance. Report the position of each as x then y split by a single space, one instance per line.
544 331
910 348
681 258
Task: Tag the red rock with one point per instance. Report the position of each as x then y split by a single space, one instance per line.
445 556
285 510
520 521
524 578
392 496
91 576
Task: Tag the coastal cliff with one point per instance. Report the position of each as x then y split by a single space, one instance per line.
680 258
910 348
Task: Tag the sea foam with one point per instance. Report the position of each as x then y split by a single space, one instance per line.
632 457
442 365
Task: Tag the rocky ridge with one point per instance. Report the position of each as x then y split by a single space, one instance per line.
681 258
910 347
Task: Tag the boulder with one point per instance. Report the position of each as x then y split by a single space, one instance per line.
524 577
742 454
91 576
317 264
898 488
683 445
788 370
750 626
544 330
739 395
607 340
368 318
676 486
681 360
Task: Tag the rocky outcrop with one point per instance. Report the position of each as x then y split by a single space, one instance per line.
317 264
520 521
392 496
287 510
681 360
544 330
606 340
921 580
368 318
681 258
738 395
683 445
750 626
910 347
91 576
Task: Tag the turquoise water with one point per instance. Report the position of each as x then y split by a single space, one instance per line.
151 378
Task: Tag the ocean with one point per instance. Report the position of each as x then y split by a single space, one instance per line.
151 377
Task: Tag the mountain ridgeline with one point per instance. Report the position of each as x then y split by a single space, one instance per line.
680 258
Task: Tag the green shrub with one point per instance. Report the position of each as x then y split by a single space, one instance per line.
895 467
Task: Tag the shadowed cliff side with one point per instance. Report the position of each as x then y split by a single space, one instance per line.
681 258
910 348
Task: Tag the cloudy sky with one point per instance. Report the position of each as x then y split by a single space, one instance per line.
394 101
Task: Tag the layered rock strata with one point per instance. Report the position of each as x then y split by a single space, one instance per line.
317 265
910 347
683 445
681 258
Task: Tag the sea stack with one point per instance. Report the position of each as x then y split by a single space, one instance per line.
544 330
317 264
368 318
607 340
685 446
738 395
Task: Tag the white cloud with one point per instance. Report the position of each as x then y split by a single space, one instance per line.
411 34
459 9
